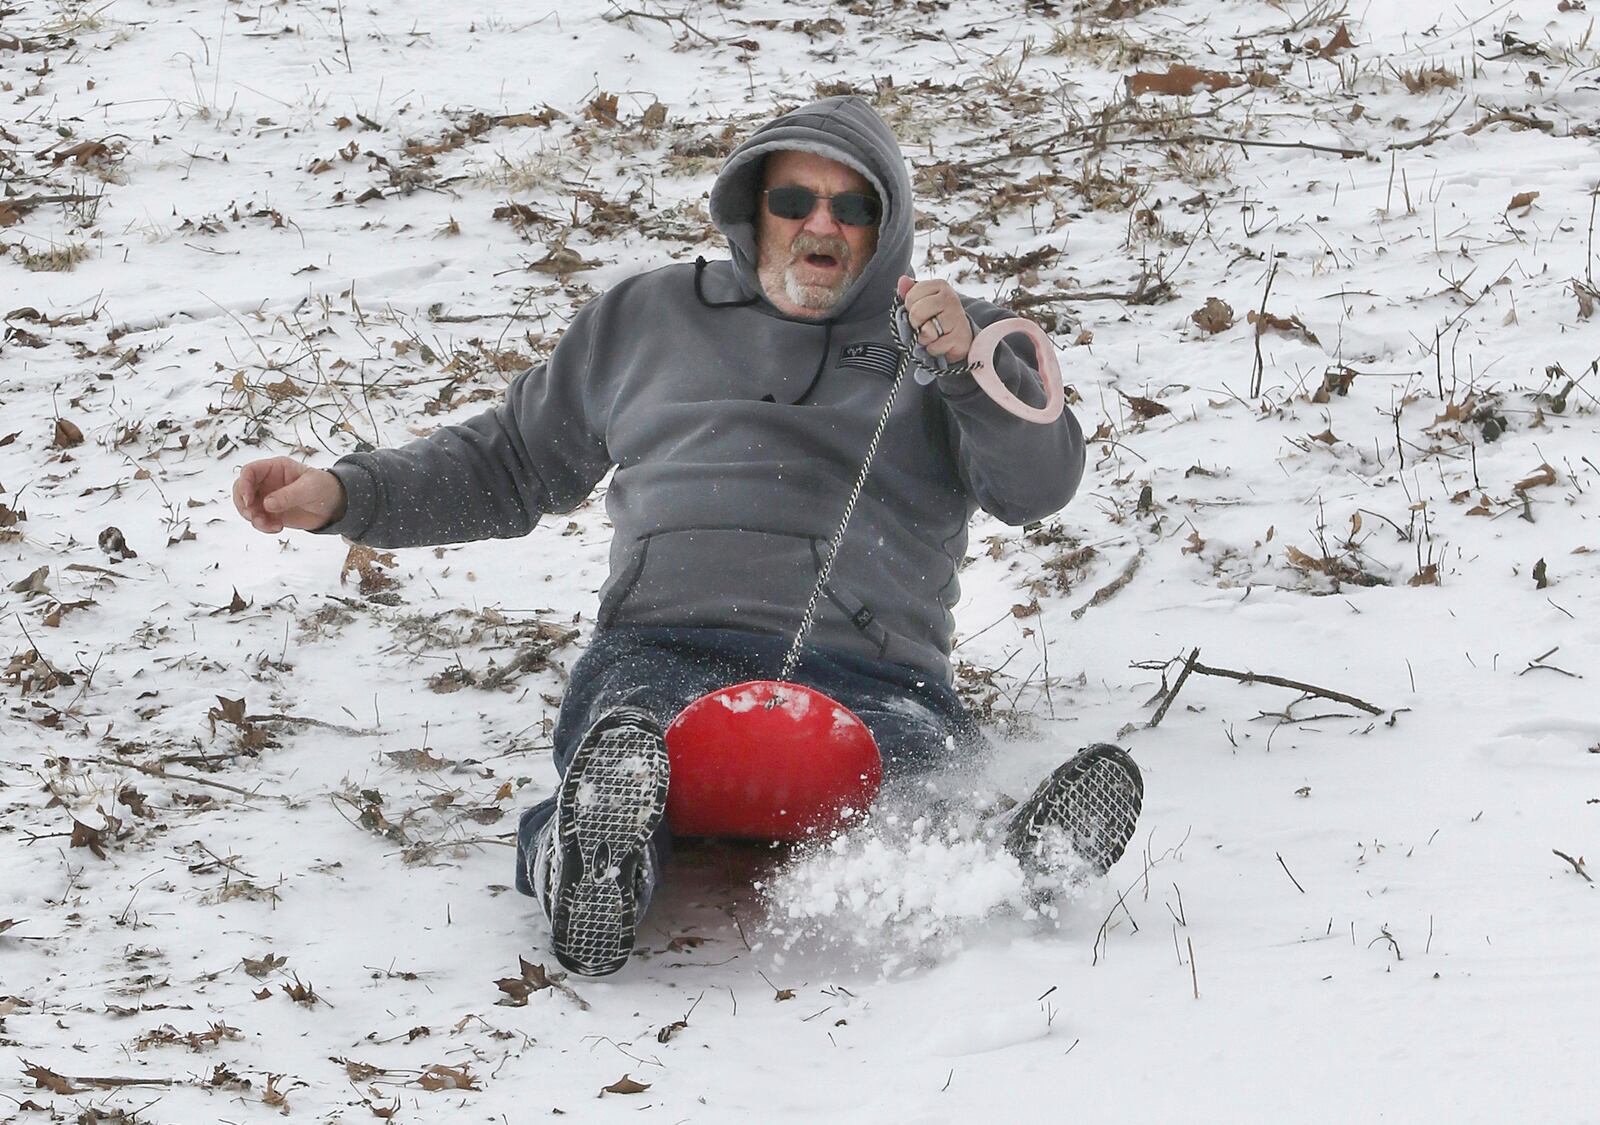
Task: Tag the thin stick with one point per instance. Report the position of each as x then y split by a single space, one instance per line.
1110 589
1188 666
1280 681
303 721
1577 864
1194 977
157 771
1289 873
344 41
1261 326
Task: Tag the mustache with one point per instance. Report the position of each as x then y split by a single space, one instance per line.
805 244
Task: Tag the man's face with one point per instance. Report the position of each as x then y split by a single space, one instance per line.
806 264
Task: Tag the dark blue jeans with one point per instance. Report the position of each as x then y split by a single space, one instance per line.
918 723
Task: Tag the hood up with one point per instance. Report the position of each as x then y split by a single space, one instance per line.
848 130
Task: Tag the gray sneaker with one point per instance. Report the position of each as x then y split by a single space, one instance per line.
1092 803
594 869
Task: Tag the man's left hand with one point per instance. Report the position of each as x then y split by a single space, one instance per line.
938 318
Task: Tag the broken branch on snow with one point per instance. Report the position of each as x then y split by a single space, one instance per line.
1193 665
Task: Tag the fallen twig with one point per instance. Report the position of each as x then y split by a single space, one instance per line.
1110 589
1537 663
1143 293
302 721
1193 665
1279 681
157 771
1577 864
1259 369
1289 873
1188 666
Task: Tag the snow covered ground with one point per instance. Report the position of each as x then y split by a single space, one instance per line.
254 846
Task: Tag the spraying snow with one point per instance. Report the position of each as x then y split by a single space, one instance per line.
899 892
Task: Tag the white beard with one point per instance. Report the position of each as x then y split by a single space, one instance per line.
819 298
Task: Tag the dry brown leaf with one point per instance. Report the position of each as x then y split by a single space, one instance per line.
85 837
1216 315
1341 41
1300 559
259 968
48 1079
115 546
1427 576
1542 476
1335 380
441 1077
1586 299
1144 408
9 215
603 109
367 562
135 802
528 120
1522 201
1423 80
228 711
518 214
273 1096
1179 81
561 261
80 153
67 435
1196 544
1289 326
625 1085
300 992
285 388
34 583
654 117
1457 411
1325 437
417 759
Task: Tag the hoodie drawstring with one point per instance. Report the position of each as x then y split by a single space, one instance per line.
827 347
700 264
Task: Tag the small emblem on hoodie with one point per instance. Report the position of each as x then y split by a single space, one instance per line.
880 359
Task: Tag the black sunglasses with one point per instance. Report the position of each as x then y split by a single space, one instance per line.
852 208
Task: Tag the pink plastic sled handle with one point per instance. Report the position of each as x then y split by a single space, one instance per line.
981 357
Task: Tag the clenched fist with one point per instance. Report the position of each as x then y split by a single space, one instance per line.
280 492
938 318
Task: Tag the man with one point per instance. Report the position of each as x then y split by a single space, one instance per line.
736 401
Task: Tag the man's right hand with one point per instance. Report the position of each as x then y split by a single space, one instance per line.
280 492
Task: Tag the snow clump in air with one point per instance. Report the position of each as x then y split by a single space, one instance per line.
898 893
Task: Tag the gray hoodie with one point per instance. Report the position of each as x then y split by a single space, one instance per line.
736 433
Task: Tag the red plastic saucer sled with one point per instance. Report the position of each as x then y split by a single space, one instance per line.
767 760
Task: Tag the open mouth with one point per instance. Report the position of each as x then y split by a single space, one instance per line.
821 261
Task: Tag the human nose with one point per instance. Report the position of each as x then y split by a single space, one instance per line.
821 220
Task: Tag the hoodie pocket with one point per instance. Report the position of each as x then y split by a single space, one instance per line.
723 577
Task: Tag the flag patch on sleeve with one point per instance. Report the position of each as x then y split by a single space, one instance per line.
881 359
